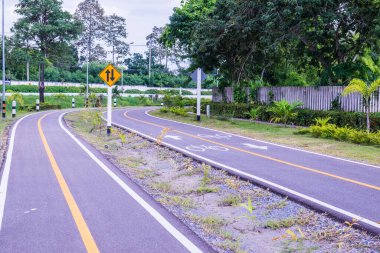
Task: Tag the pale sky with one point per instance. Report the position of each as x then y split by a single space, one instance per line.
140 15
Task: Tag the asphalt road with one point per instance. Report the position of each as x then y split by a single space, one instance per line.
58 194
346 189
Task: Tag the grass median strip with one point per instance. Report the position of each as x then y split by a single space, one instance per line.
238 217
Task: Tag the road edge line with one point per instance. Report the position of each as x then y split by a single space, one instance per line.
310 201
7 168
265 142
153 212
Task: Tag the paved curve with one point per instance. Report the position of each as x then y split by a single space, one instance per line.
344 188
63 196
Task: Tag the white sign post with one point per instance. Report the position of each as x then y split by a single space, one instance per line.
198 76
110 75
109 111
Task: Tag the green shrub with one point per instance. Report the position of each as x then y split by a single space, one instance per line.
331 131
51 89
16 97
134 91
178 111
305 117
164 110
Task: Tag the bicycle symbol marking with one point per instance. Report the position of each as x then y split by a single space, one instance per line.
215 136
203 148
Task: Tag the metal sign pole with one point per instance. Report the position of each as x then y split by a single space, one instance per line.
109 111
199 83
3 44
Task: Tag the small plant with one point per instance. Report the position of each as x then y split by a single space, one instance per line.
254 113
162 135
277 205
123 138
230 200
322 121
162 186
283 112
206 174
206 189
249 208
164 110
277 224
211 224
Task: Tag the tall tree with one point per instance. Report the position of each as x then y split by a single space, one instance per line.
91 14
158 50
49 25
115 34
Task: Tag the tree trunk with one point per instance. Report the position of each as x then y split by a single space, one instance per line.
42 83
368 122
27 70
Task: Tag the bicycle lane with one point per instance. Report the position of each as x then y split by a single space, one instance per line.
222 150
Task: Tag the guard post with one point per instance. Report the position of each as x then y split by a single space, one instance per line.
37 105
13 109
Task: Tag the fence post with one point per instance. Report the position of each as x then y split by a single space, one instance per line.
37 105
208 111
73 103
13 109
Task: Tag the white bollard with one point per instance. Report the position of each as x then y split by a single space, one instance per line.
114 102
37 105
208 111
73 103
14 109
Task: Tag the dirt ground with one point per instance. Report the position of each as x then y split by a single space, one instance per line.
229 213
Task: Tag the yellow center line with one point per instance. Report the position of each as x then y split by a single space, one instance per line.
265 156
83 229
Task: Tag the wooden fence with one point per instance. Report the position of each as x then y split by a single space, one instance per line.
317 98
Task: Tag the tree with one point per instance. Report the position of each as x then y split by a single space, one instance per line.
49 25
158 50
116 32
366 90
91 14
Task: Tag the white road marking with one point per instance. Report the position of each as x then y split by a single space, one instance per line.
215 136
203 148
255 146
177 138
155 214
264 181
266 142
7 168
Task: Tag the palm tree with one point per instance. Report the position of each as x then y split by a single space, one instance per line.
366 90
282 111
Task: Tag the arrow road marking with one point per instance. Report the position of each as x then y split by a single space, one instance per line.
177 138
256 147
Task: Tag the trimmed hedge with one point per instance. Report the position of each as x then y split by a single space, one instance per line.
43 107
305 117
50 89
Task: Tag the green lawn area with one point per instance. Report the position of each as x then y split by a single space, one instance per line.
284 136
65 101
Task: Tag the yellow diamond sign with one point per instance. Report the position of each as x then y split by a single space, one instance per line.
110 75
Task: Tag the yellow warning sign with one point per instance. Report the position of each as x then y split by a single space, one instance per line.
110 75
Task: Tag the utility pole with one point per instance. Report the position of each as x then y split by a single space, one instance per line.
150 59
3 38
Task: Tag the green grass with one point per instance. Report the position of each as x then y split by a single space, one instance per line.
284 136
65 101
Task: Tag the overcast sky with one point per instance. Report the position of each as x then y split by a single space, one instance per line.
140 15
